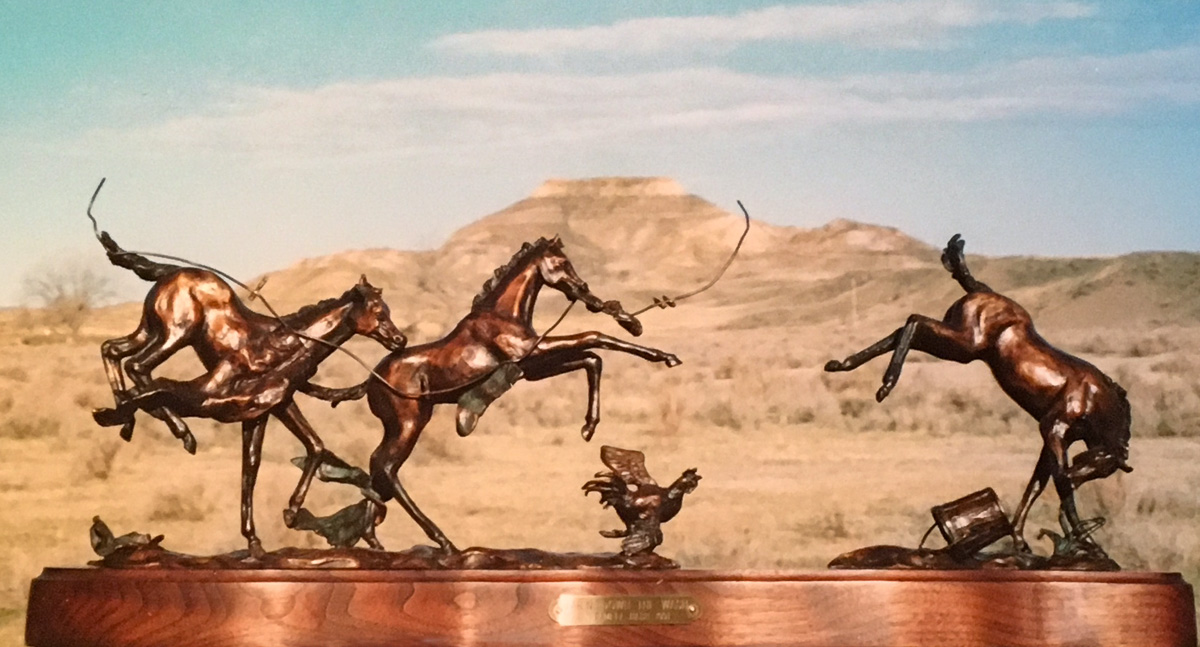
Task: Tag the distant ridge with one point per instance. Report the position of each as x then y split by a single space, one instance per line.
632 238
604 187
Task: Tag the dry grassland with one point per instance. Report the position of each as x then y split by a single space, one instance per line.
798 465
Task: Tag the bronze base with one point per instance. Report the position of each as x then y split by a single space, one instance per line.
186 607
940 559
425 558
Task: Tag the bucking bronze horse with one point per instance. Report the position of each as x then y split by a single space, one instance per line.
254 363
496 334
1071 399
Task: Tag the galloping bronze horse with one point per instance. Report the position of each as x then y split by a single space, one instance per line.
254 363
497 332
1071 399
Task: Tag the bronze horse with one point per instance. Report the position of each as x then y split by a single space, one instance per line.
1070 398
496 333
254 363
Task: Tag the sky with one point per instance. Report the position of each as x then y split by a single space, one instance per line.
249 135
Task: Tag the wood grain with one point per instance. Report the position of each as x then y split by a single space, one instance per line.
83 607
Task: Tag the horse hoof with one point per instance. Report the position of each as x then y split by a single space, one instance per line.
256 549
465 421
107 417
587 432
832 366
189 443
289 517
127 432
672 361
883 392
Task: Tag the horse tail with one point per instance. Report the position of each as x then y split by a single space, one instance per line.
955 262
146 269
336 396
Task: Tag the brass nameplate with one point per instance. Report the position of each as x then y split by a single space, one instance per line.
584 610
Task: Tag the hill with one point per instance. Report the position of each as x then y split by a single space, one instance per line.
799 465
632 238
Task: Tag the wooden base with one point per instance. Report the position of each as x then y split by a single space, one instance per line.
84 607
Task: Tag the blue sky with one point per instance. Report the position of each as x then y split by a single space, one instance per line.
249 136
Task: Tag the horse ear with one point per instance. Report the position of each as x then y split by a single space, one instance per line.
362 280
556 242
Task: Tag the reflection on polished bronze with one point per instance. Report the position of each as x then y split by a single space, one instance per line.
498 332
254 363
641 503
1071 399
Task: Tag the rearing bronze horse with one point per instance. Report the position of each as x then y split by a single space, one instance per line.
498 331
254 363
1071 399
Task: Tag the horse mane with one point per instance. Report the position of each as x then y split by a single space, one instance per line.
502 273
303 316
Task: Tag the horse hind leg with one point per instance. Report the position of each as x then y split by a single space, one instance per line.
1037 483
885 345
403 420
252 439
931 336
1054 433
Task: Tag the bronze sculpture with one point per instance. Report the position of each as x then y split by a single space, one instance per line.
1071 399
496 335
641 503
254 363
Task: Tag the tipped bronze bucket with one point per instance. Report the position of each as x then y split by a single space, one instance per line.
972 523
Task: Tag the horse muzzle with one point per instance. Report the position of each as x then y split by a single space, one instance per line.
393 340
629 322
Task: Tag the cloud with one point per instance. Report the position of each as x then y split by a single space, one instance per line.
459 116
910 25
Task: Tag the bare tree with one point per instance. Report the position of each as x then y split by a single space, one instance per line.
66 290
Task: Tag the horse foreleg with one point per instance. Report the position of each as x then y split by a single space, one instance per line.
1095 463
549 366
599 341
252 439
314 451
1037 483
403 419
111 353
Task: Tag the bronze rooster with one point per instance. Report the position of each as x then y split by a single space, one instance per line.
640 502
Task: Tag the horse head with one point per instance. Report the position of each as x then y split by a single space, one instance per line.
558 272
371 317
